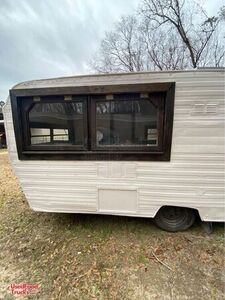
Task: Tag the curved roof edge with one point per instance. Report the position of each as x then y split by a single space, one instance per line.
32 83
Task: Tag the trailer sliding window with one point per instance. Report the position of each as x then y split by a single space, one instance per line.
132 122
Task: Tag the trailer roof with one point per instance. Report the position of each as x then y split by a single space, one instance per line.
93 79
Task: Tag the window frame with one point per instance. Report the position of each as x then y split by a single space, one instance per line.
89 152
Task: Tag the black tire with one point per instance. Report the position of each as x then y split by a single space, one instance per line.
172 218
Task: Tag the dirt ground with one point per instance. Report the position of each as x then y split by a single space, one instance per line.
102 257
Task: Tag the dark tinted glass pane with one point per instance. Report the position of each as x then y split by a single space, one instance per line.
126 123
57 123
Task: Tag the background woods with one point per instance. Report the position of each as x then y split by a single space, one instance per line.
163 35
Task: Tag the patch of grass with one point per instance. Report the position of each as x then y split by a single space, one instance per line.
142 259
220 237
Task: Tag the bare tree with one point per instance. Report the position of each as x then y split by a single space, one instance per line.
222 13
194 27
121 49
164 49
165 35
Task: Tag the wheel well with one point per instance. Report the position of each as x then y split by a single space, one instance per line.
193 209
175 218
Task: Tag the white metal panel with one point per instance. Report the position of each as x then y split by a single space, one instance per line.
117 200
193 178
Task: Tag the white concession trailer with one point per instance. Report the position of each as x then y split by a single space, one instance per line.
148 144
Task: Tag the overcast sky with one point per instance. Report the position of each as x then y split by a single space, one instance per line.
52 38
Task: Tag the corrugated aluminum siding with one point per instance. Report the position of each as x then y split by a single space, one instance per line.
193 178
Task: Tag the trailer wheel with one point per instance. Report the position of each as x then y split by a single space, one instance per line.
172 218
